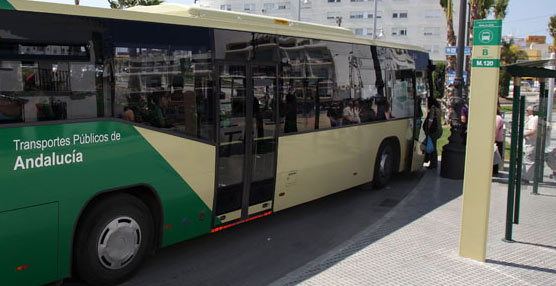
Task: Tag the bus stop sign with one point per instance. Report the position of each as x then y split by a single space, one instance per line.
486 42
487 33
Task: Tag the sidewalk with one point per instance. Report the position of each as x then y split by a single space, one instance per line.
417 243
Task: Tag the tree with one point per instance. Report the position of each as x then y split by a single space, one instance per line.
76 2
438 79
448 6
499 9
509 55
479 10
552 30
122 4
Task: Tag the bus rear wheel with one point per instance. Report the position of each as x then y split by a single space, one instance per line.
112 240
384 165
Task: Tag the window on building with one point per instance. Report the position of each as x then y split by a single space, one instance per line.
249 7
283 6
399 32
356 15
332 15
399 15
360 15
226 7
360 0
363 31
431 31
334 1
276 6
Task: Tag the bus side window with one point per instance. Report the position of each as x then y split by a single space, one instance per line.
163 78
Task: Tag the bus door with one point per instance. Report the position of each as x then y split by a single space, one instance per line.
247 141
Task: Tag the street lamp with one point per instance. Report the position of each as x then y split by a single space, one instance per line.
374 21
299 8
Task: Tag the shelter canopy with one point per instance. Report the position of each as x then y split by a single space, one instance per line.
540 68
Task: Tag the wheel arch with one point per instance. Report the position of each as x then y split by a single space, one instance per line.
144 192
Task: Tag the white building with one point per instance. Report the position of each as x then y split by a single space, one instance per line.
415 22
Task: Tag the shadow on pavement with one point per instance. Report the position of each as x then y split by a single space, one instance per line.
547 270
536 244
431 193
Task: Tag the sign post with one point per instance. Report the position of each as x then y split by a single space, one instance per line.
485 70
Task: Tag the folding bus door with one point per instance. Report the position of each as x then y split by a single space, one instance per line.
247 141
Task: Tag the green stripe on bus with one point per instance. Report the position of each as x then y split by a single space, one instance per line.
74 162
5 5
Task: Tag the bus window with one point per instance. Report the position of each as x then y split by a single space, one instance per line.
166 84
41 90
297 87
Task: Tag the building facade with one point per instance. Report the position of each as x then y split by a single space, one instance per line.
414 22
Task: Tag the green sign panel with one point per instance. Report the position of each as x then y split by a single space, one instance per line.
487 33
481 63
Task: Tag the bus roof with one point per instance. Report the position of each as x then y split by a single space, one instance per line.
178 14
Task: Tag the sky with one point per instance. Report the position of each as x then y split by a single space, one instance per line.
523 17
528 17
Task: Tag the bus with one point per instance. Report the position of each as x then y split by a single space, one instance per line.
123 131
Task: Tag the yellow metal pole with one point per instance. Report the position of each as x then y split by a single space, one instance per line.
480 139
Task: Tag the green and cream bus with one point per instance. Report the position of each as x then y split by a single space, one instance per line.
123 131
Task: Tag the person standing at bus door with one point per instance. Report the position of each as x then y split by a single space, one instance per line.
433 129
499 139
529 147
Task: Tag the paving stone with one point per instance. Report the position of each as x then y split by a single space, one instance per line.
417 242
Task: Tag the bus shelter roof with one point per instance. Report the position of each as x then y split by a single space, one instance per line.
540 68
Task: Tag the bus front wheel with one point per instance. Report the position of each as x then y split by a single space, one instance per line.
384 165
112 240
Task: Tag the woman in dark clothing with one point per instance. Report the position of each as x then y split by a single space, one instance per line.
433 129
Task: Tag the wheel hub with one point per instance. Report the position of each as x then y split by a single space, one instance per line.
118 243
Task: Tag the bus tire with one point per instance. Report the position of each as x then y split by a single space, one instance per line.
112 240
384 165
